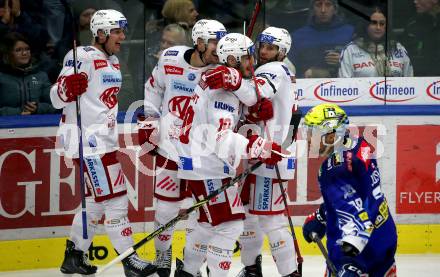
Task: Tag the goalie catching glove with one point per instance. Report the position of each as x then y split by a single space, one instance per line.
224 77
259 148
72 86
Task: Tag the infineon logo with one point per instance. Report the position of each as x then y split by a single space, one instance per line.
331 92
433 90
390 93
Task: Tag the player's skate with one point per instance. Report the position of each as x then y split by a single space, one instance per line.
252 270
179 270
76 261
136 267
163 262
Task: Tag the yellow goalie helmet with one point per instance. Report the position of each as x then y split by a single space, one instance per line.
327 118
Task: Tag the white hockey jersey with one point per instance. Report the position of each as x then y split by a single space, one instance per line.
99 104
168 93
208 146
357 62
279 86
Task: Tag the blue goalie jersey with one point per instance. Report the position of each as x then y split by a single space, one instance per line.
356 209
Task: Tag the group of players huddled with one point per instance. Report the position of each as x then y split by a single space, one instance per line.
206 111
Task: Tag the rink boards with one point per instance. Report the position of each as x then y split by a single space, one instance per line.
39 190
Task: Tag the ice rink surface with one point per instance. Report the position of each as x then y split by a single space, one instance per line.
407 266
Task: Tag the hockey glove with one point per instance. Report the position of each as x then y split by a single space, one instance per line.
261 111
148 132
315 223
224 77
72 86
259 148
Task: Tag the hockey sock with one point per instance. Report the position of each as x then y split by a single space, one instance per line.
280 241
221 247
76 232
119 231
165 211
117 224
251 240
94 214
195 248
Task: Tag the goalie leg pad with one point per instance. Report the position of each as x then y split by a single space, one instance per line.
251 240
280 242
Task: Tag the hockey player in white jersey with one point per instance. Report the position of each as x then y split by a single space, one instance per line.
210 151
168 93
265 209
98 81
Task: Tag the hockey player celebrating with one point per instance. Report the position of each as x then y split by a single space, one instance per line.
168 93
361 234
210 151
98 81
266 210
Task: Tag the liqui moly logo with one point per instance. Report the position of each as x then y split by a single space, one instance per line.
433 90
334 93
389 92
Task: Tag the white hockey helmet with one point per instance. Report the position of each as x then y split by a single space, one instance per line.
207 29
236 45
106 20
276 36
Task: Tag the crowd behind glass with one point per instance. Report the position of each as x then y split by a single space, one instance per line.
363 38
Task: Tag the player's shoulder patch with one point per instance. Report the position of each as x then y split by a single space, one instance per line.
171 52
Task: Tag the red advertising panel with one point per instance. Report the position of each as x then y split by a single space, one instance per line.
38 188
418 169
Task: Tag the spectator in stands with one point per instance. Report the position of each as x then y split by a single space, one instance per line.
173 34
13 18
423 38
24 89
318 44
182 12
84 17
370 55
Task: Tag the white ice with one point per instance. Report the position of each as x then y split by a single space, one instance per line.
407 266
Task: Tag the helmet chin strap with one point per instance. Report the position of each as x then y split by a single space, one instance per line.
103 45
201 54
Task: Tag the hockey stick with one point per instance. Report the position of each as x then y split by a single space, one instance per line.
179 217
80 144
318 241
295 119
254 18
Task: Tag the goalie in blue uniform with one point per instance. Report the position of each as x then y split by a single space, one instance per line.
361 234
